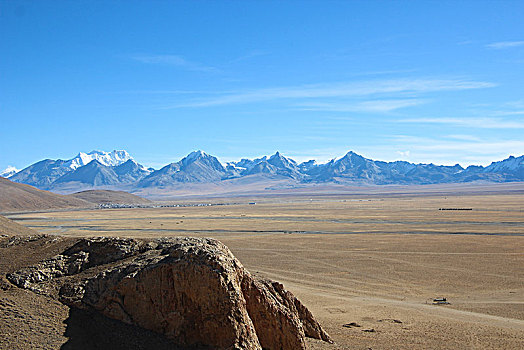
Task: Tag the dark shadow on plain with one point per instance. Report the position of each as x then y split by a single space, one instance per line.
89 330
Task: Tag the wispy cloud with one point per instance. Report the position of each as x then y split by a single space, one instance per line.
341 90
174 60
380 106
505 44
484 123
463 137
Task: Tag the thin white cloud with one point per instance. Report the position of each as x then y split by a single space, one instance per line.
174 60
463 137
505 44
379 106
341 90
507 113
483 123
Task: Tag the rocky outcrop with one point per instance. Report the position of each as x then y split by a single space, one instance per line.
192 290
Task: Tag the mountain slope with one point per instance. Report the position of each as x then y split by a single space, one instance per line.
94 174
130 171
20 197
275 165
42 174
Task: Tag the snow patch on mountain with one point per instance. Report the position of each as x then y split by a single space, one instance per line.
9 171
113 158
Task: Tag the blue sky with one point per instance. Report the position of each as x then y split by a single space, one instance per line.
423 81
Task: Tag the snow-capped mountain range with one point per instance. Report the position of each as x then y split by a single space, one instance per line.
117 169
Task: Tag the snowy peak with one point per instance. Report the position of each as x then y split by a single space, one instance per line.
113 158
195 156
279 160
352 157
9 171
201 159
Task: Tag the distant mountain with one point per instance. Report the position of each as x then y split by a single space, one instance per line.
277 165
94 173
509 169
131 171
42 174
117 170
97 174
196 167
95 168
353 168
8 172
112 158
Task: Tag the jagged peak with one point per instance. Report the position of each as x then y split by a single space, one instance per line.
279 158
349 156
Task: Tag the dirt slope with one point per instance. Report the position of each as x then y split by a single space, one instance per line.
9 227
20 197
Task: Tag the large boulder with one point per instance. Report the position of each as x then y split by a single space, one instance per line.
192 290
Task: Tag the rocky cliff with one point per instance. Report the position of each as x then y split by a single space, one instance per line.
191 290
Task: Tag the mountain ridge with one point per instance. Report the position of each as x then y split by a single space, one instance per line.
200 167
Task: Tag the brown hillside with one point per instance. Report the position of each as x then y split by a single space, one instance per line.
106 196
9 227
20 197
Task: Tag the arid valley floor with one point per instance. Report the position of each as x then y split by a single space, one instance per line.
375 260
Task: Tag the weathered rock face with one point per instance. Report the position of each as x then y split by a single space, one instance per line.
194 291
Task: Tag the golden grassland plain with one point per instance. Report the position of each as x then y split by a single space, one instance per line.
376 261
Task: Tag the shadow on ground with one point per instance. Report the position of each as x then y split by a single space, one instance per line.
91 330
